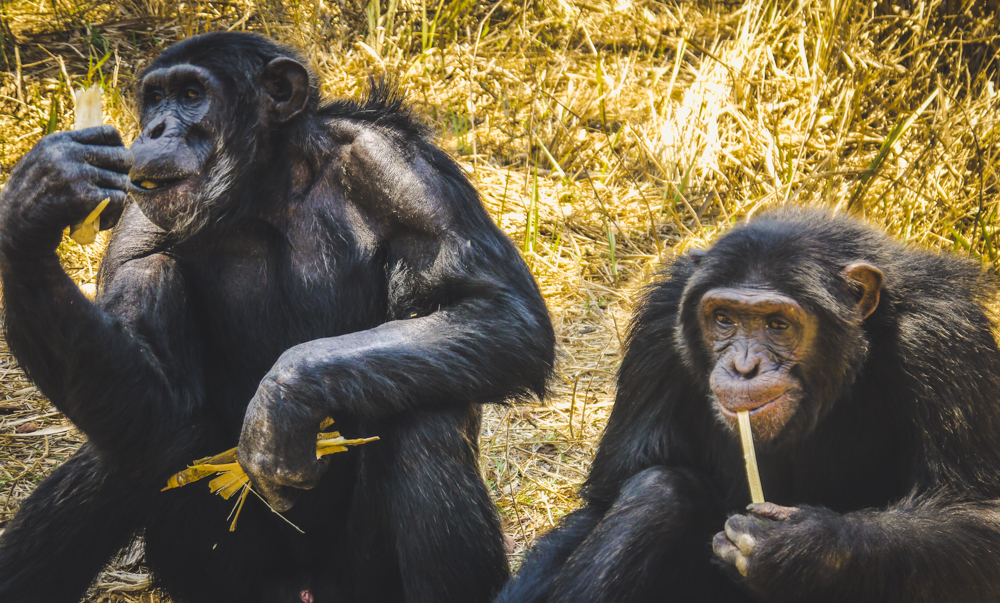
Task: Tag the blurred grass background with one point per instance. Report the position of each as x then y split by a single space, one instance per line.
605 137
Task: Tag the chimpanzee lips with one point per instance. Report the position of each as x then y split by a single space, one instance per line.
731 407
768 414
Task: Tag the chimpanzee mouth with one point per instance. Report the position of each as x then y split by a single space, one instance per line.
730 410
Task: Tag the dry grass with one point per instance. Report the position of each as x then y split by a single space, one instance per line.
604 136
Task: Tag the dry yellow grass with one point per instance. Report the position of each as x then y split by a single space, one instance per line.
605 136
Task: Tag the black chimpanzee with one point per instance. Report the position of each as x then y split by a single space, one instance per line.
283 261
872 378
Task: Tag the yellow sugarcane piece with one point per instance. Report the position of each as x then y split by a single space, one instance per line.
223 458
229 483
232 477
85 232
191 474
88 115
239 507
750 457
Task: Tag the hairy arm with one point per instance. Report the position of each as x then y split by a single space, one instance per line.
922 550
122 368
466 323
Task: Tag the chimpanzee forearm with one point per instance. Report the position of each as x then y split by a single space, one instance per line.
921 553
110 370
651 541
483 349
467 352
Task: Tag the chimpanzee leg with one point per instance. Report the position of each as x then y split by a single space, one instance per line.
65 532
653 544
421 487
541 566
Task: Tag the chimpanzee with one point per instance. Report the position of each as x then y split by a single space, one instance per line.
872 379
284 260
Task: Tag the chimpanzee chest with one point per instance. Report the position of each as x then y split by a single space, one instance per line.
271 291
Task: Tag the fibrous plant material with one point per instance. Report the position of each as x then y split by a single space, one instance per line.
750 457
232 479
88 115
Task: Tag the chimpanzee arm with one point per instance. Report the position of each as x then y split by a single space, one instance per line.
104 364
466 322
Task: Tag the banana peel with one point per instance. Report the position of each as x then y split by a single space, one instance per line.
231 479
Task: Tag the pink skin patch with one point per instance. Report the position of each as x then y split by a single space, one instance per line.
306 596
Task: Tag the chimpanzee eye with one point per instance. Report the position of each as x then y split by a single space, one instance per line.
724 319
191 93
156 96
777 324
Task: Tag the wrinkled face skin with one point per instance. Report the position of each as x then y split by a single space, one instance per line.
761 345
756 337
177 173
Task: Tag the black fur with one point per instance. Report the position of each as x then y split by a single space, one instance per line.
897 482
349 270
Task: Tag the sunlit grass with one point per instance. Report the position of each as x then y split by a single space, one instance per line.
604 136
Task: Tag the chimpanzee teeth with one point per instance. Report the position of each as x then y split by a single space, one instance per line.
149 185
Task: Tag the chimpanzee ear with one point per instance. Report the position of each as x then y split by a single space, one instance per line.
286 82
696 255
869 280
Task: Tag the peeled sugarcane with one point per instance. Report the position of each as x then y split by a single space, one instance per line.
88 115
750 457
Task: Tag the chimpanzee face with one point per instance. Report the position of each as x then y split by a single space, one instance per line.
178 172
756 338
762 346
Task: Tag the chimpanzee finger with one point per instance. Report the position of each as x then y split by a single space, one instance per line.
111 215
101 135
725 550
117 159
113 211
105 178
772 511
280 498
301 475
741 531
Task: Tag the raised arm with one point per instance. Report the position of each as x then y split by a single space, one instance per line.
103 364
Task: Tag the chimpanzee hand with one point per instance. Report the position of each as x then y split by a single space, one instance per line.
278 443
786 553
745 535
58 183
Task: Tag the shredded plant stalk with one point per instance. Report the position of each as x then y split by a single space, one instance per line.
230 477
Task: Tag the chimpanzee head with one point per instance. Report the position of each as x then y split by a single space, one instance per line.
772 318
211 126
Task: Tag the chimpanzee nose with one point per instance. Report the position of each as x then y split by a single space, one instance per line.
747 365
